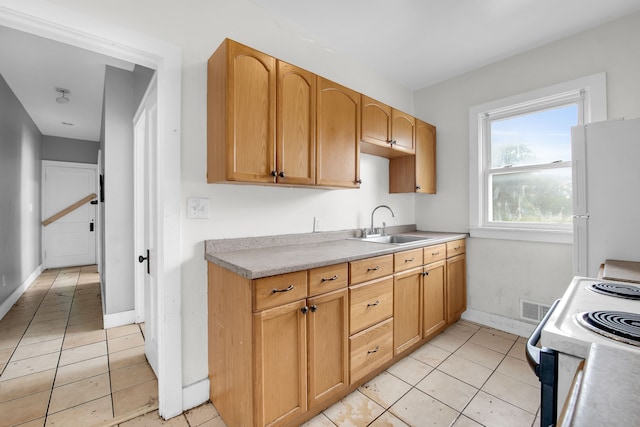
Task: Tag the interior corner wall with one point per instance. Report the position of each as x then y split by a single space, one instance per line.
501 272
118 264
20 182
69 150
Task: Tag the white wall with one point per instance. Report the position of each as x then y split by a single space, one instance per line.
502 272
118 191
198 27
20 183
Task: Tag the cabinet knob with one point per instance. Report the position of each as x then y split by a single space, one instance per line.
426 273
358 181
304 309
274 173
314 308
418 187
281 174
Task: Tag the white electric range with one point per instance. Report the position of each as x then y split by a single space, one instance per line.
572 326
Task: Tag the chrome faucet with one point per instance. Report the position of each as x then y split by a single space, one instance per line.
384 225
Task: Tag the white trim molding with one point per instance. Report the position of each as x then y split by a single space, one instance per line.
195 394
594 90
15 295
65 25
118 319
513 326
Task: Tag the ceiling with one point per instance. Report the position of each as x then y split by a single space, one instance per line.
34 66
413 42
421 42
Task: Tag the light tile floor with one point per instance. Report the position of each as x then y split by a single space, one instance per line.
58 367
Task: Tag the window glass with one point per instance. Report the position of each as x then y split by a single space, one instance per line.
535 138
542 197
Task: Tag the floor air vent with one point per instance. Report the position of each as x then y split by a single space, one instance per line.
532 311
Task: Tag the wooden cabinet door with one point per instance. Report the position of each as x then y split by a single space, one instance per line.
403 131
433 299
241 113
407 318
425 170
376 122
337 137
456 287
328 335
280 372
296 128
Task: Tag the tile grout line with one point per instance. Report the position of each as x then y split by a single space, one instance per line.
64 335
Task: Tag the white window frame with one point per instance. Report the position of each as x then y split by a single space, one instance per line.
592 91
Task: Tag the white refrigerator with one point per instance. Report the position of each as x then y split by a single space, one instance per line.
606 194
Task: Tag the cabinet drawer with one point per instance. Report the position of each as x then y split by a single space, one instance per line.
435 253
407 259
370 268
370 303
329 278
277 290
371 348
456 247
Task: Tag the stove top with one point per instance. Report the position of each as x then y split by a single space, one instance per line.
618 290
618 325
566 333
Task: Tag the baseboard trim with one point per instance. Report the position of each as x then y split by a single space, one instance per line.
506 324
195 394
118 319
15 295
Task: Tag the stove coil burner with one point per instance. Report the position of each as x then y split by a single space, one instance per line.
617 290
618 325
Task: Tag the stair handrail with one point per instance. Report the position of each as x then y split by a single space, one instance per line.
69 209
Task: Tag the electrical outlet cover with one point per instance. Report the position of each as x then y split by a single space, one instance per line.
198 208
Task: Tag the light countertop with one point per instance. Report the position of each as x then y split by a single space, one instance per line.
258 257
608 393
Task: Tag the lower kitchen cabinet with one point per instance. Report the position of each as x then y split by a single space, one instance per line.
370 349
434 317
328 337
282 348
407 318
280 363
456 287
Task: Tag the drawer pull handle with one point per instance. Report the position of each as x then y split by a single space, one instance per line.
275 291
330 279
373 304
377 267
375 350
410 259
435 253
456 248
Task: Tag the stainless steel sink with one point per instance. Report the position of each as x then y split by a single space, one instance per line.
397 239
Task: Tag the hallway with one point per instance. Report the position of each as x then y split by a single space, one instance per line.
59 367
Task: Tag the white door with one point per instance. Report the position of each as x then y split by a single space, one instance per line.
70 240
145 125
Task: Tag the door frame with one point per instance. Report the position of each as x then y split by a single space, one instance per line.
68 26
97 222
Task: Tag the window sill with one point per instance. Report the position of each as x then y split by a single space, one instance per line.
528 235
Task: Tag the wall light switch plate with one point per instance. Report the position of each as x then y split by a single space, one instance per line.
198 208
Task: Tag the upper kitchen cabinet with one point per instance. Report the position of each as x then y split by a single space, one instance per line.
296 127
338 135
241 108
385 131
416 174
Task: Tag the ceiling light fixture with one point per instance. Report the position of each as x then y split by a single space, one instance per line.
62 99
